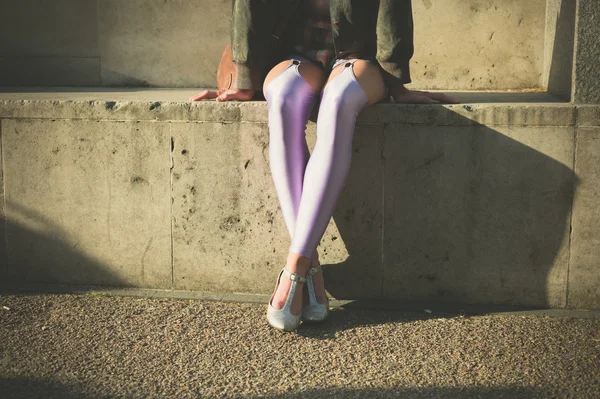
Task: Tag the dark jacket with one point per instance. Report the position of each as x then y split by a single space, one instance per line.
380 30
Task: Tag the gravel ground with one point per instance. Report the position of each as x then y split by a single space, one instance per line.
73 346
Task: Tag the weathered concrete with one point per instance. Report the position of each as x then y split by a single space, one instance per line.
240 242
49 43
586 74
530 109
227 228
478 213
65 28
478 44
355 268
584 278
88 202
175 43
484 190
588 115
558 53
3 268
49 71
178 42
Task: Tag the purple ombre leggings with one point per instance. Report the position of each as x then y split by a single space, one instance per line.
308 185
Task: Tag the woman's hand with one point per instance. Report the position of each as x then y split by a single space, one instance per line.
402 95
224 95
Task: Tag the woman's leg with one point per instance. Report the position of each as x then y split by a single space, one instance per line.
291 89
352 86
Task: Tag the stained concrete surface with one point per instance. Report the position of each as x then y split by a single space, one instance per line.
586 74
175 43
87 201
64 28
49 43
478 45
478 213
68 346
178 43
183 94
461 202
494 108
355 264
225 210
558 47
3 269
49 71
584 281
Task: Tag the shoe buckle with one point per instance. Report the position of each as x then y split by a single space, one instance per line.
294 276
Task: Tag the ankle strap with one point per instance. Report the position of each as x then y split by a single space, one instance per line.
314 270
294 276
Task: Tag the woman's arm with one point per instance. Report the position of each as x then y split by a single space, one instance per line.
251 23
251 27
395 41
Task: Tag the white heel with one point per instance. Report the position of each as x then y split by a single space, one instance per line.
314 311
283 319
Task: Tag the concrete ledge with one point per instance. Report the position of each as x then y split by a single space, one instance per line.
467 203
530 109
435 309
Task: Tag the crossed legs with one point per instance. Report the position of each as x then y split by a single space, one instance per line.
308 185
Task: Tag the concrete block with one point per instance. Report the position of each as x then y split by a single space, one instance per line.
467 114
174 43
63 28
228 232
584 279
351 247
527 109
586 76
3 268
477 214
588 115
49 71
558 53
478 44
88 202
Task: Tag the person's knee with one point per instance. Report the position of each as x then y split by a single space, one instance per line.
343 95
286 77
369 78
312 74
274 73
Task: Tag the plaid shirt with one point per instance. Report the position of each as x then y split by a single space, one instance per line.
314 38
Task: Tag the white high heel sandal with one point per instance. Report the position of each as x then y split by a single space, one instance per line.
314 311
283 319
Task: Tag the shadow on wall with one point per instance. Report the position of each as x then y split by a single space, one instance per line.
36 256
470 215
561 64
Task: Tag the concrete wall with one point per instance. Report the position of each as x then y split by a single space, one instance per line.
49 43
584 279
468 203
558 54
475 44
586 74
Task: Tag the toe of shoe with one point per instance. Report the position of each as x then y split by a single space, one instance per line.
282 320
315 313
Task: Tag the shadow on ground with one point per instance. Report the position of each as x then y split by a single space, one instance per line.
28 388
